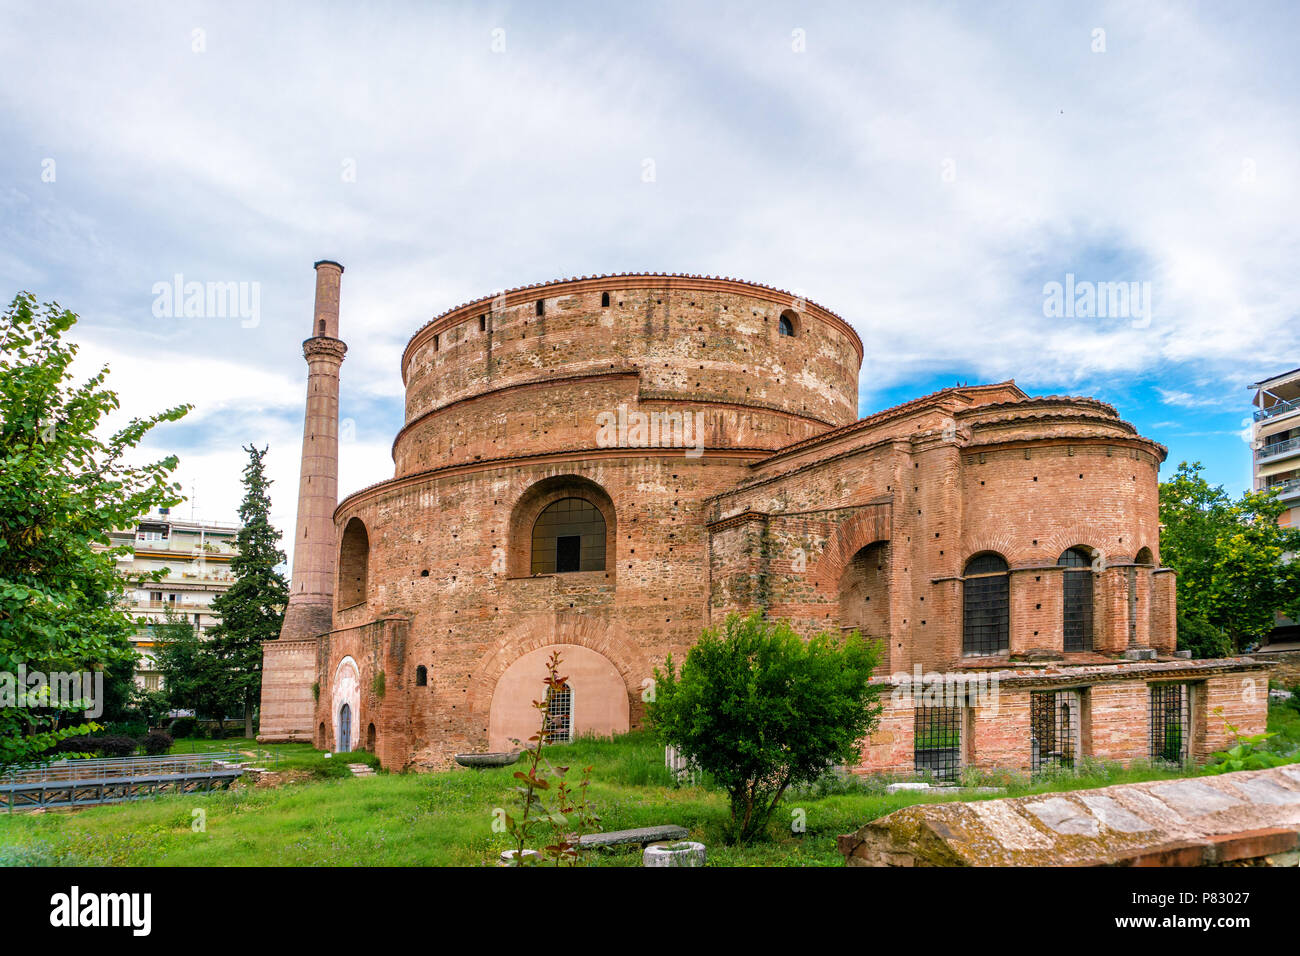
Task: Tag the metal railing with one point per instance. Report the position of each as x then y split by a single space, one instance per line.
1281 408
1287 489
90 782
1278 448
117 767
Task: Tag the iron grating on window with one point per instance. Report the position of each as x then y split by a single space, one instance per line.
1077 593
986 601
559 716
1053 730
936 743
1170 722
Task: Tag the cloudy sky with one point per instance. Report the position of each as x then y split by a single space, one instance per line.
924 170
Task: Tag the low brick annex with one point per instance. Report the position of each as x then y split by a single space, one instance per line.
604 466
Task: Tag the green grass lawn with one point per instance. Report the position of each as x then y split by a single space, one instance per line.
334 819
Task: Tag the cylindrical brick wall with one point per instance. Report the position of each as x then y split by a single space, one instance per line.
495 377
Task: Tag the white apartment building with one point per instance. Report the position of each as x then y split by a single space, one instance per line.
196 557
1276 449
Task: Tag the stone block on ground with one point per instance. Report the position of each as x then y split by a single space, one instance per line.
1251 815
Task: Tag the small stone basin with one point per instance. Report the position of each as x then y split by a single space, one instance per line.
487 760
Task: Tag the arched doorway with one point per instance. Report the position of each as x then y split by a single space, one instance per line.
345 729
345 703
597 703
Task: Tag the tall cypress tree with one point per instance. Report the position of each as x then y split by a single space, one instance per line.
252 610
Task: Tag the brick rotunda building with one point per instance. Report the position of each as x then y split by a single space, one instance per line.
605 466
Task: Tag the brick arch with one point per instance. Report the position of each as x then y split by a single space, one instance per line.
1020 551
542 630
851 536
1077 534
1004 543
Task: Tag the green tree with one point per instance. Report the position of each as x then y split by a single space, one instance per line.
759 710
63 488
151 705
192 676
1232 560
253 608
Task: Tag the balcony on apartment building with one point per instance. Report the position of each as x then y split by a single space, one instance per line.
1277 397
192 547
1276 411
1288 490
1278 450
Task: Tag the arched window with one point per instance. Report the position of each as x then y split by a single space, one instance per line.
1145 557
422 676
354 564
569 535
604 300
787 324
370 738
559 716
322 326
1076 590
541 306
986 616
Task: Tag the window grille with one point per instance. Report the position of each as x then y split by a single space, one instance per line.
559 716
986 600
569 535
1053 730
1077 594
1170 722
936 744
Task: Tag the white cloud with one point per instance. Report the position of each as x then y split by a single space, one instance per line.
1167 159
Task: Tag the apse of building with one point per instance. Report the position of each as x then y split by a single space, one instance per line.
605 466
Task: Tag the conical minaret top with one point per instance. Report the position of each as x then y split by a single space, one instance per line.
310 612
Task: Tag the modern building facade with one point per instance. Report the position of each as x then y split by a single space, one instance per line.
1276 444
195 556
1276 449
602 467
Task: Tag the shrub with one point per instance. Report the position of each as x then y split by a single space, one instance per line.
115 745
1247 754
102 745
74 745
181 727
125 728
759 710
156 742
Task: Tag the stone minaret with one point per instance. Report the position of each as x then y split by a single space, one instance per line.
315 553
